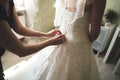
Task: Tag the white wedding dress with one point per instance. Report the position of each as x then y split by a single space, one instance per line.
72 60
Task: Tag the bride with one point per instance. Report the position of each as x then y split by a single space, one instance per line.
80 21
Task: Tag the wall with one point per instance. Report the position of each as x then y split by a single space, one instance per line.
45 15
114 5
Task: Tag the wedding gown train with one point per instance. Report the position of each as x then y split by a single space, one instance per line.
72 60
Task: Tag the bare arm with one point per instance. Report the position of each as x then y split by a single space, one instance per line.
96 17
9 41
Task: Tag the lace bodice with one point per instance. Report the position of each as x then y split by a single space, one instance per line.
75 30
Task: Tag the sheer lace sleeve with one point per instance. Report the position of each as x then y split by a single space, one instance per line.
77 5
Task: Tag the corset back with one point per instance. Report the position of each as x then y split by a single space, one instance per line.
78 29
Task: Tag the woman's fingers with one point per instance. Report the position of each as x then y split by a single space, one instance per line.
58 32
54 32
59 39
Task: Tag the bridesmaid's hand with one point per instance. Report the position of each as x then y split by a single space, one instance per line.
53 33
56 40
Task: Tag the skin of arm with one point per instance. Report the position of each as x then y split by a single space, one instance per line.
10 42
96 17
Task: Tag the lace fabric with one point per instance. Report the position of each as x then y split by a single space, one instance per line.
76 6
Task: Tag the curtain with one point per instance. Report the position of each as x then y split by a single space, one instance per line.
31 7
44 20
